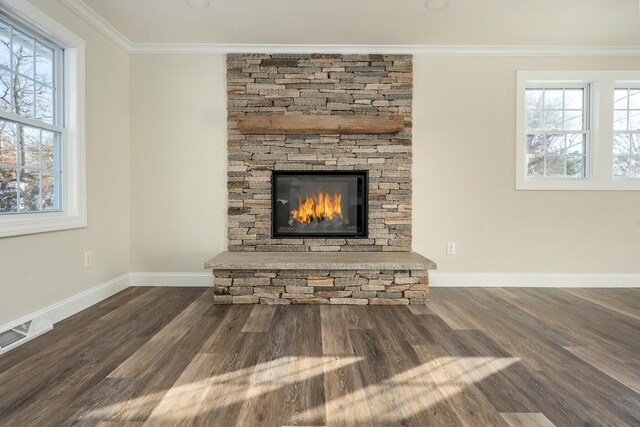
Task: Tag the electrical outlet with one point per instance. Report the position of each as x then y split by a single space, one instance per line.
88 259
451 248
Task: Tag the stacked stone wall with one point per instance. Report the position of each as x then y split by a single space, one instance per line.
259 84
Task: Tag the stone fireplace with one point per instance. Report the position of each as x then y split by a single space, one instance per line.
338 180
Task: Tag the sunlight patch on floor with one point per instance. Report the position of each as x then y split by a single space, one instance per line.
413 390
404 394
184 402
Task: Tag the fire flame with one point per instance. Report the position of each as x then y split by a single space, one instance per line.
321 206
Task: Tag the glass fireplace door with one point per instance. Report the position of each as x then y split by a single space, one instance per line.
322 204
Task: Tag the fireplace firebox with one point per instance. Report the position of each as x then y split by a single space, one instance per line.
319 204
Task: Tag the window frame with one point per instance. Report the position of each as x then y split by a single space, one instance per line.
599 150
73 213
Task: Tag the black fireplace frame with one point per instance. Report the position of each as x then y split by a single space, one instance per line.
364 234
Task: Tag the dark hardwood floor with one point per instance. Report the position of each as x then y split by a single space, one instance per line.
472 357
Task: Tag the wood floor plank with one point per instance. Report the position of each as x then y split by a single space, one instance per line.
524 419
627 373
228 329
90 408
230 382
471 357
467 402
386 401
335 331
617 300
357 317
304 397
346 400
260 318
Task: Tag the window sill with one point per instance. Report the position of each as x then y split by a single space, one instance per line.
21 224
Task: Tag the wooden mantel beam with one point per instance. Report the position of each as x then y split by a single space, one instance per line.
319 124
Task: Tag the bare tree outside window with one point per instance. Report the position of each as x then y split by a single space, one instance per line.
29 147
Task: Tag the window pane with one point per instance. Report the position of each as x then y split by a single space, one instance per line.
553 120
534 120
634 98
573 99
576 144
555 144
44 103
5 45
49 182
620 166
50 142
634 167
44 64
8 143
553 99
535 166
23 53
620 120
29 139
621 144
634 120
555 166
620 98
29 190
635 144
8 193
533 98
23 96
535 144
5 90
573 120
575 166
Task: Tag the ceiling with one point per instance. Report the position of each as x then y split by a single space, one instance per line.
377 22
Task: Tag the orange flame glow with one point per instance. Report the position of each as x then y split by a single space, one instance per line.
320 206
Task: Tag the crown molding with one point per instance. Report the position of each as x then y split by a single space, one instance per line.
99 23
417 50
94 19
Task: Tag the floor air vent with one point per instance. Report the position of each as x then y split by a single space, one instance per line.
11 337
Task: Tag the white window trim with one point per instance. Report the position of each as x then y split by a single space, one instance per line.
599 166
74 199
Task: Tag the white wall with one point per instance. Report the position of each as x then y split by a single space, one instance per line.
464 157
41 269
464 169
179 199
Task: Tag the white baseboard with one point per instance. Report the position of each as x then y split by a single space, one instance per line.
534 280
172 279
70 306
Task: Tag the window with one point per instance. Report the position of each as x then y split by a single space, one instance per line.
30 122
42 185
626 128
557 131
578 130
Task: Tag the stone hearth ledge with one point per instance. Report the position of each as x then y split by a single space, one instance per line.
351 278
320 261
